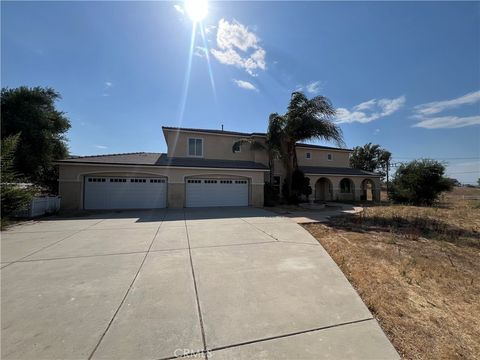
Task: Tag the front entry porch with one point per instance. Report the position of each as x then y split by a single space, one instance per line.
344 188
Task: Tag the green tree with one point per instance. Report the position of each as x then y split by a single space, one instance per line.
300 187
419 182
371 157
305 119
31 112
13 196
270 145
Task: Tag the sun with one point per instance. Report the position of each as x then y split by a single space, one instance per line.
197 10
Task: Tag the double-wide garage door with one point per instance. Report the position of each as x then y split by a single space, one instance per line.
125 192
216 192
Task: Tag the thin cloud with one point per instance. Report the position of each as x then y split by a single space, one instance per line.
200 51
313 87
245 85
370 110
238 46
436 107
101 147
209 28
179 9
423 113
448 122
107 85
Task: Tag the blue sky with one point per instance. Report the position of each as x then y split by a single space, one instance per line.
405 75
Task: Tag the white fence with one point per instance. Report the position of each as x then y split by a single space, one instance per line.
41 205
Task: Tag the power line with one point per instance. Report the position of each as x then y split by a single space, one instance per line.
452 158
465 172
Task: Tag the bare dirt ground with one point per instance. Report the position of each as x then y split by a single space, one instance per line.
418 270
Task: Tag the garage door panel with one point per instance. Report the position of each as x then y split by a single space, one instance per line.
125 193
216 192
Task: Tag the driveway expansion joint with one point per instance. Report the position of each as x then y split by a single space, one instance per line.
291 334
200 317
258 229
54 243
126 293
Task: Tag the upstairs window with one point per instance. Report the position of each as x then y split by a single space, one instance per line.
308 155
195 147
329 157
236 148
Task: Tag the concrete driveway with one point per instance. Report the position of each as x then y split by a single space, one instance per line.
223 283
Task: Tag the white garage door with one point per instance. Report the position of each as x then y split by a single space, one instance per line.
125 192
216 192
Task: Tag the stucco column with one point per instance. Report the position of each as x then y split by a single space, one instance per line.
257 195
71 194
176 195
357 195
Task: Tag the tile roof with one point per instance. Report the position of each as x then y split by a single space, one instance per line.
220 132
213 131
327 170
159 159
311 146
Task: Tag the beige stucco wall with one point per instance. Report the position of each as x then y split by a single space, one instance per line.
319 157
71 181
215 146
219 146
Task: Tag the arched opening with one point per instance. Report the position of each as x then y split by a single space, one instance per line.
368 190
323 190
346 186
347 190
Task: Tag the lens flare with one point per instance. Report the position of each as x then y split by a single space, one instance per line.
197 10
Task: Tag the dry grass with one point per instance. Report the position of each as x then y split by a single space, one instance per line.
418 270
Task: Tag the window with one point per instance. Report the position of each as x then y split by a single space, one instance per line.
329 157
240 181
194 181
236 148
308 155
96 180
345 186
195 147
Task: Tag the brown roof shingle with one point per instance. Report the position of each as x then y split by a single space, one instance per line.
159 159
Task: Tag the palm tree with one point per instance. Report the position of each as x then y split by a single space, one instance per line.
271 146
305 119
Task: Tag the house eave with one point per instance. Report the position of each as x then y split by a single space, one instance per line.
77 163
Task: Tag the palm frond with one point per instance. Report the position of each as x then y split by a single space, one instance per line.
254 144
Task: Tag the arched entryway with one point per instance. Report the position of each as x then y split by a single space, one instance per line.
323 190
347 190
368 190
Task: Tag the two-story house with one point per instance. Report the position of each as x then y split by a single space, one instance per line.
199 169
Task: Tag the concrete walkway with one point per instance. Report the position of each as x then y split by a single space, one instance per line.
309 216
230 283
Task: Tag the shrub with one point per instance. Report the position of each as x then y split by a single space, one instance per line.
13 196
270 195
419 182
300 187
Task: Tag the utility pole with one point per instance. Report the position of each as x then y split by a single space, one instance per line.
388 170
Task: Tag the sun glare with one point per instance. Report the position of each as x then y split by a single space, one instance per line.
197 10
